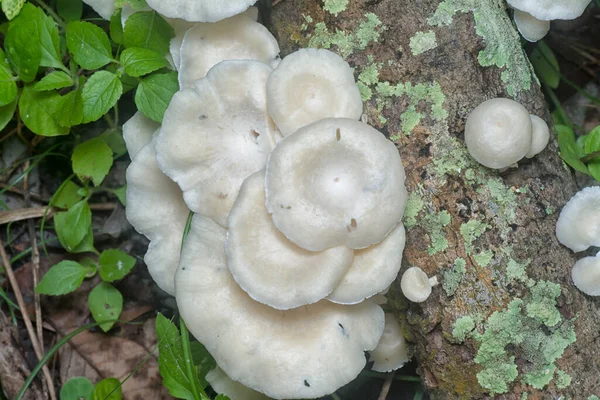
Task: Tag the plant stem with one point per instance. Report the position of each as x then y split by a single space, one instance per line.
589 157
198 393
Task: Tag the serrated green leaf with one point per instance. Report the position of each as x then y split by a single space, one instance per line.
108 389
69 10
92 159
73 225
36 110
138 61
88 44
203 361
100 93
22 44
114 140
115 264
11 8
106 303
568 148
8 87
65 277
149 30
592 143
67 197
545 64
116 27
6 114
49 40
52 81
70 109
4 62
154 94
121 194
77 388
86 245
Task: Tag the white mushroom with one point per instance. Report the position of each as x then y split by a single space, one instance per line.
156 209
586 275
216 134
373 269
104 8
223 384
200 10
416 285
578 226
305 352
549 10
309 85
531 28
335 182
236 38
541 136
270 268
498 133
390 353
138 132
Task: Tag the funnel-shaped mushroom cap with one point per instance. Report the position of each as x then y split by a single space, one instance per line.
200 10
104 8
586 275
531 28
541 136
138 132
578 226
309 85
551 9
415 284
498 133
223 384
335 182
156 209
305 352
216 134
236 38
270 268
180 27
390 354
373 269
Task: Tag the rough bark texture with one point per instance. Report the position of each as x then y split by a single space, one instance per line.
500 224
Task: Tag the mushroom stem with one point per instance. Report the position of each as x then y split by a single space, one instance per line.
433 281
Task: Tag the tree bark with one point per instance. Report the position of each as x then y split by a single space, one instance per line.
500 224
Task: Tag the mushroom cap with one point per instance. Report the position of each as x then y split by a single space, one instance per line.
138 132
531 28
305 352
498 133
586 275
270 268
223 384
200 10
390 353
156 209
415 285
335 182
180 27
104 8
578 225
217 133
549 10
236 38
541 136
309 85
373 269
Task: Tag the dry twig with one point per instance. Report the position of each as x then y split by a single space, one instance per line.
38 212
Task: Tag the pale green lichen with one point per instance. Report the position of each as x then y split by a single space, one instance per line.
452 158
335 6
516 271
414 205
434 225
524 396
484 258
453 276
538 379
470 231
543 298
368 77
462 327
563 380
421 42
593 397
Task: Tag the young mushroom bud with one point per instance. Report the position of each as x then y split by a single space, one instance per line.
200 10
549 10
541 136
531 28
578 225
416 285
586 275
390 353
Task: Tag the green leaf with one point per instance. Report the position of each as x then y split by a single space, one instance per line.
73 225
594 168
138 61
87 244
100 93
77 388
592 143
65 277
22 44
67 197
203 361
568 148
115 264
70 109
8 87
149 30
69 10
106 303
154 94
135 4
92 159
108 389
114 139
222 397
36 110
52 81
116 27
11 8
49 40
6 114
581 144
4 62
171 363
88 44
545 64
121 194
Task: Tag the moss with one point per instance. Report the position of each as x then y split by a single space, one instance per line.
453 276
471 231
434 224
462 327
335 6
414 205
563 380
421 42
484 258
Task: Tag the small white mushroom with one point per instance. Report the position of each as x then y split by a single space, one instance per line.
549 10
531 28
305 352
416 285
223 384
541 136
335 182
498 133
586 275
309 85
216 134
270 268
104 8
200 10
578 226
138 132
390 353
